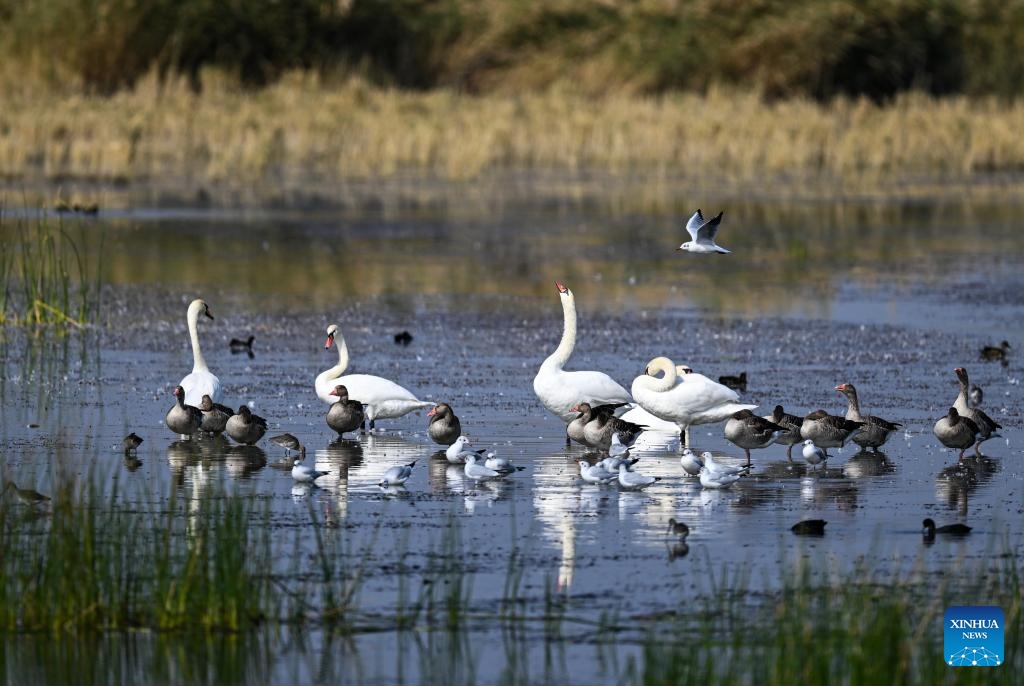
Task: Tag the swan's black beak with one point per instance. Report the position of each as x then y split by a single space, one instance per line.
207 312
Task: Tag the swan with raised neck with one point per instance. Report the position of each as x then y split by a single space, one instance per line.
201 381
558 390
384 399
696 400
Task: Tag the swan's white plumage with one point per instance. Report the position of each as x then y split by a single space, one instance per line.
688 402
201 381
559 390
384 398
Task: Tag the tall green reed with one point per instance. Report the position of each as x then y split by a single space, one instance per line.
49 271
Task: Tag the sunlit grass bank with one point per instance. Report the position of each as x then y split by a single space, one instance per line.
300 134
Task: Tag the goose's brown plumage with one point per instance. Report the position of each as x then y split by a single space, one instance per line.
345 415
183 419
750 432
956 431
246 427
791 423
828 430
987 426
444 426
876 430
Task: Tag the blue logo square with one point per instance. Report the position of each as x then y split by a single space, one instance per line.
973 636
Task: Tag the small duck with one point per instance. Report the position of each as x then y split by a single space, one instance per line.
238 345
930 530
215 415
397 475
678 528
246 427
809 527
183 419
813 454
736 383
131 443
996 353
27 495
345 415
444 426
304 473
403 338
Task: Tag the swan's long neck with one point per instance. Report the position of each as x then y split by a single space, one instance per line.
337 370
198 363
568 342
667 381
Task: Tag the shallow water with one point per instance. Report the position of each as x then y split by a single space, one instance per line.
890 298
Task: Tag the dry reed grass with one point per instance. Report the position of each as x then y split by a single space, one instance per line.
301 132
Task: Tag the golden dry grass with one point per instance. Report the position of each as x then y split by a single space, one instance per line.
300 132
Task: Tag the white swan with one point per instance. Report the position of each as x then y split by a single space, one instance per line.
697 400
559 390
201 381
384 399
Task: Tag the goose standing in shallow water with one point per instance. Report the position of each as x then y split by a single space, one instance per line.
828 430
384 399
748 431
246 427
215 415
201 381
345 415
558 390
444 426
876 430
956 431
792 425
600 430
183 419
574 430
987 427
696 400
